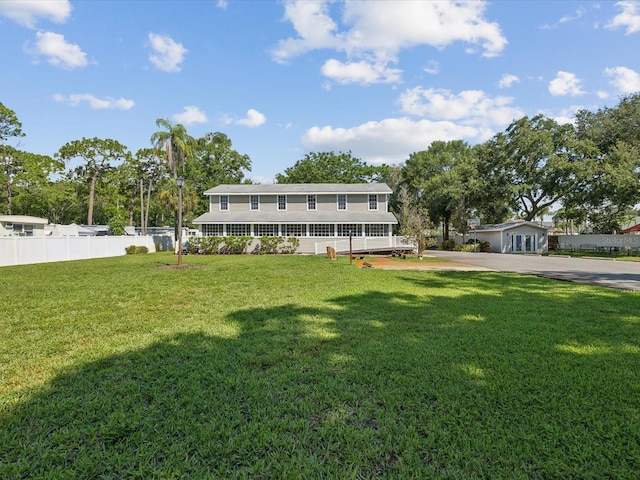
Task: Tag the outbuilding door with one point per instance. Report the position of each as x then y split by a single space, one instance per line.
524 243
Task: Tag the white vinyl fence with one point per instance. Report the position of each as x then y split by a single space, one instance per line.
25 250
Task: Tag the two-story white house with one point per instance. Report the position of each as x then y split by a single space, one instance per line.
318 214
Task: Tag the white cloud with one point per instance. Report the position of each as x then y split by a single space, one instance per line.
222 4
570 18
94 102
471 115
27 12
507 80
389 141
167 54
314 26
190 115
602 94
472 107
378 31
58 51
432 67
624 79
564 84
359 72
629 18
253 119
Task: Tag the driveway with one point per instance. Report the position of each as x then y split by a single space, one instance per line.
604 272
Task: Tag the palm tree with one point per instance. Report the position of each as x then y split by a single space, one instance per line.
176 144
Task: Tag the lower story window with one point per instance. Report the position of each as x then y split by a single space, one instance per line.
238 229
376 230
345 228
266 230
212 230
294 230
321 230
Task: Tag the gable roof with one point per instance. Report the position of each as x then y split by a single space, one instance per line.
501 227
633 228
303 188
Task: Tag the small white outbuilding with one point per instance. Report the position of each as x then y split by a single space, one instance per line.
22 225
516 236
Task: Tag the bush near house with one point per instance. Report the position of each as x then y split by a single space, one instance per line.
237 245
274 245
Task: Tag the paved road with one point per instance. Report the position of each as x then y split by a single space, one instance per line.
608 273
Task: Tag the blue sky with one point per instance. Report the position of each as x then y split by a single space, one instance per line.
380 78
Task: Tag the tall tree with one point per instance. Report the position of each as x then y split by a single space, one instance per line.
438 177
10 126
536 163
176 144
150 167
215 162
615 185
413 219
22 172
98 156
329 167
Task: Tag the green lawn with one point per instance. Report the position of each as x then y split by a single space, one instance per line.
300 367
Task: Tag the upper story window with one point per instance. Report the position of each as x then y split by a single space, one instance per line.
255 202
373 202
342 201
282 202
311 202
224 202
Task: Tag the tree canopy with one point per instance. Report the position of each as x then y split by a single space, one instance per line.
330 167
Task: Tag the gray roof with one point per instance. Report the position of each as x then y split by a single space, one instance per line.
296 217
306 188
499 227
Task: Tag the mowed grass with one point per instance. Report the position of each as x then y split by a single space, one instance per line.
301 367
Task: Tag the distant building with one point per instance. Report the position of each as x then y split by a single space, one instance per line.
22 225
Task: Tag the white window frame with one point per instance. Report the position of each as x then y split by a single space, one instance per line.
312 200
294 230
265 230
238 230
321 230
223 205
212 229
373 200
284 199
257 202
376 230
338 198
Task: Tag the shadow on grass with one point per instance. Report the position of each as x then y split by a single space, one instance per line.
369 385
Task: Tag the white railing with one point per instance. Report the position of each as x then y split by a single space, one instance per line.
26 250
363 243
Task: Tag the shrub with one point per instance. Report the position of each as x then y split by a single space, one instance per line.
293 244
485 246
273 245
448 245
136 249
235 244
268 245
116 224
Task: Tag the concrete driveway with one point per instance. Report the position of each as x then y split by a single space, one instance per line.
604 272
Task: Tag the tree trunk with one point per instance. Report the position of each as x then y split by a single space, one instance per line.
146 216
9 197
92 193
